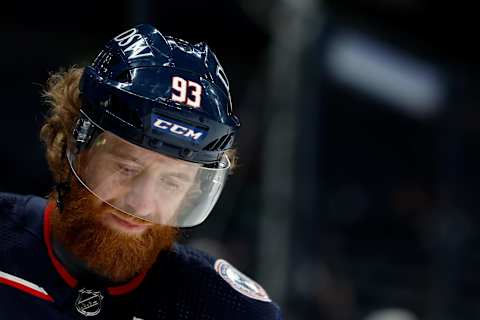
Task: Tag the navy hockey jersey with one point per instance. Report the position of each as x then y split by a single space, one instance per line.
183 284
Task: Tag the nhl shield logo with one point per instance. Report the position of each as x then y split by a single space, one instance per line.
89 302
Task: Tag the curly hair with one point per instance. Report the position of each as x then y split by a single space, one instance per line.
62 95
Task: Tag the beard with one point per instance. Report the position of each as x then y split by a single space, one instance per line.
107 252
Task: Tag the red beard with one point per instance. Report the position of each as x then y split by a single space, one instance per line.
109 253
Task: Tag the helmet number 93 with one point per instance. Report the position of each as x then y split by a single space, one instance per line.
186 92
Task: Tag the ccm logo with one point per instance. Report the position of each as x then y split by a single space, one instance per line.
177 129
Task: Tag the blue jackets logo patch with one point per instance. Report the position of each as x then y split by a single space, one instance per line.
240 282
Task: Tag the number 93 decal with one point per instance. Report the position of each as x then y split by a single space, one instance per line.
186 92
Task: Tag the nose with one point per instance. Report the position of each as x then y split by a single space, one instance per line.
140 198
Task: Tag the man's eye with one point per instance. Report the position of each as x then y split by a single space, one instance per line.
169 183
128 170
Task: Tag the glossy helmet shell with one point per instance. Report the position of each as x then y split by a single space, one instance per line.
133 86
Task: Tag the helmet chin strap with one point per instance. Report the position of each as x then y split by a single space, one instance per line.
82 134
62 189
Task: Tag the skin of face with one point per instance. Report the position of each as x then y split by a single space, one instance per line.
139 182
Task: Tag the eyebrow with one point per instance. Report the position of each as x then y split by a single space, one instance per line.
124 154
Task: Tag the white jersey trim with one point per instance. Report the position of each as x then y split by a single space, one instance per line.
23 282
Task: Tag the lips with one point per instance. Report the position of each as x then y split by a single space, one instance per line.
118 222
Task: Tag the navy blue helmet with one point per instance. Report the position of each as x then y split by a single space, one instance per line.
161 93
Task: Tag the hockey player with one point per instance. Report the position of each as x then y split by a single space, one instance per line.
139 144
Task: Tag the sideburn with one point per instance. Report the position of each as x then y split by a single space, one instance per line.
106 252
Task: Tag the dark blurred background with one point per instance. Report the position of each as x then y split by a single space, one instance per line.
356 194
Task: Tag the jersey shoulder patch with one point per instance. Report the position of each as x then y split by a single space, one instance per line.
240 282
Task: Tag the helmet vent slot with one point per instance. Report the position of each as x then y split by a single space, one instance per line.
124 77
219 144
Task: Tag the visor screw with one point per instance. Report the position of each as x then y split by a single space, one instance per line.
105 103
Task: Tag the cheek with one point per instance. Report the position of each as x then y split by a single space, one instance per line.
167 205
96 168
112 193
103 182
172 199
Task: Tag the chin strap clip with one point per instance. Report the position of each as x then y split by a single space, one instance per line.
62 189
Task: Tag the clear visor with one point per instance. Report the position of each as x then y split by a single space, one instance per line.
146 184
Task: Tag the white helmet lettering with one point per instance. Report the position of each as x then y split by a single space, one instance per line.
177 129
192 134
137 49
125 35
162 124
